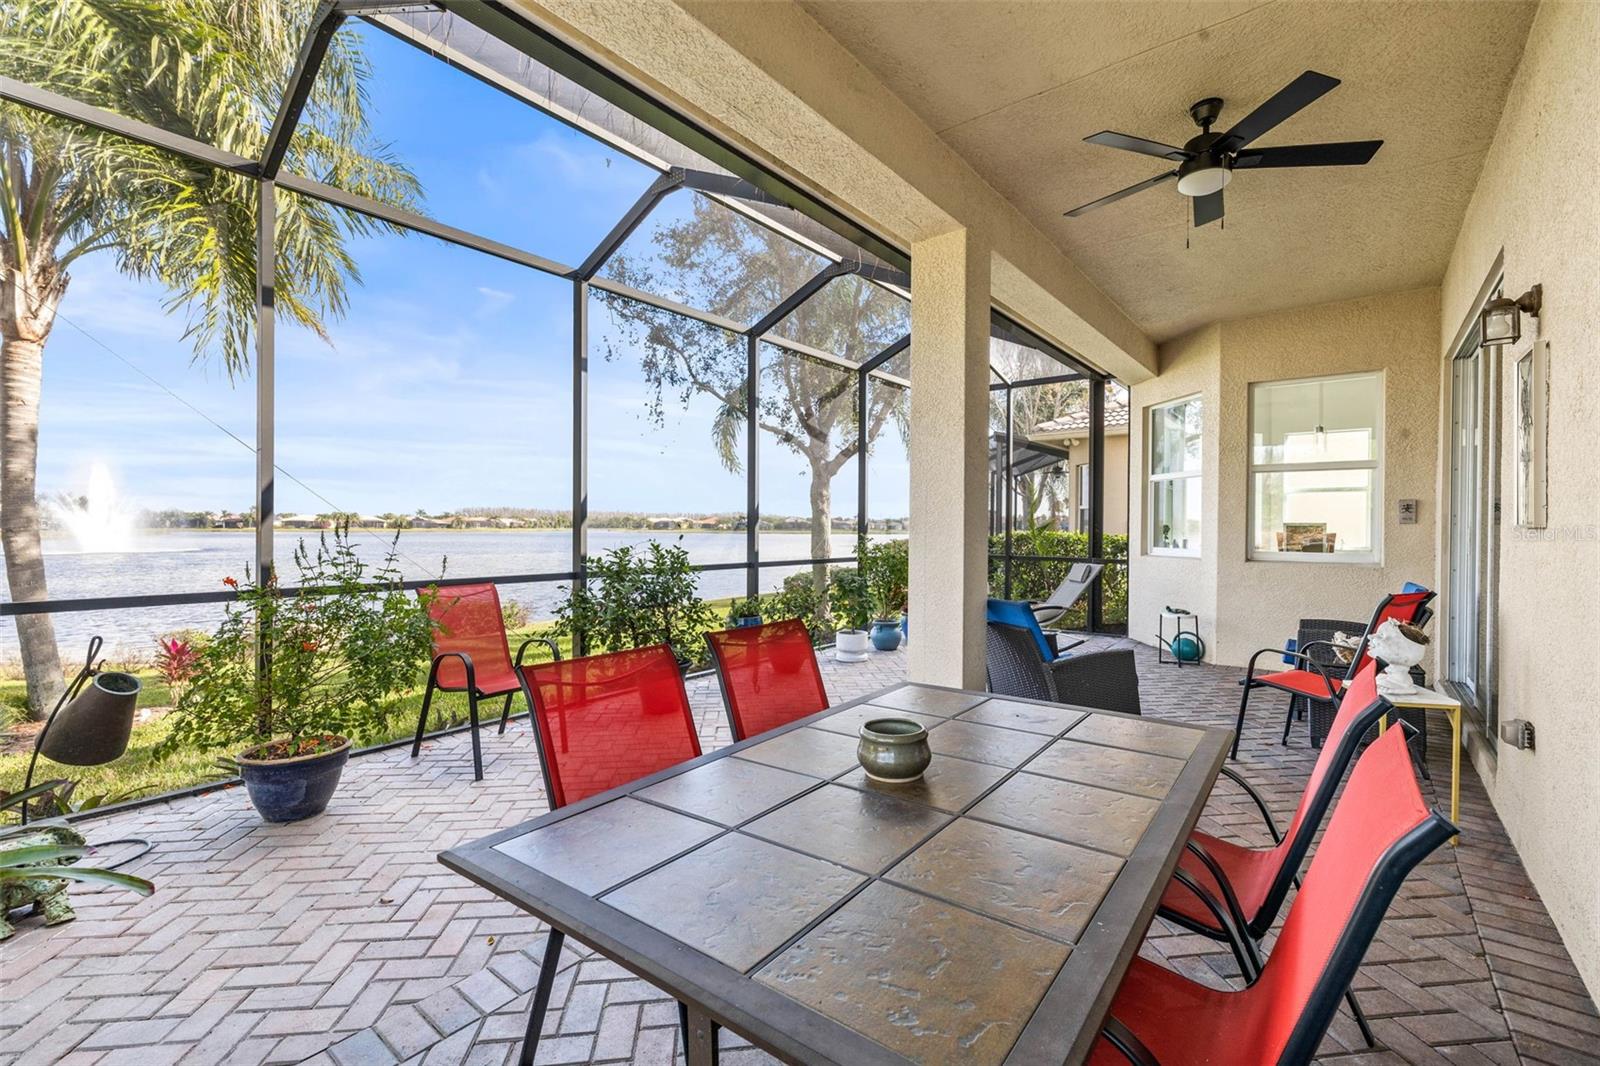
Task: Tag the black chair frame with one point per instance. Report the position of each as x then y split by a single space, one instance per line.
1340 970
474 694
1251 681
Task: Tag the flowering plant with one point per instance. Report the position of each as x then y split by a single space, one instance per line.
176 662
295 671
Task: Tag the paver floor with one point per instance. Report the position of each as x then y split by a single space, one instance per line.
341 940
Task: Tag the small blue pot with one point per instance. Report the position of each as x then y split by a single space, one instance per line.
747 621
885 635
287 790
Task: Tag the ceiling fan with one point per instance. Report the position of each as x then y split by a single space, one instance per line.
1206 162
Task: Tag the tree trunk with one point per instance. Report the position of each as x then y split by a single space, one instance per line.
25 321
821 528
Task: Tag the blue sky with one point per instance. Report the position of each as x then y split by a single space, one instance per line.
448 382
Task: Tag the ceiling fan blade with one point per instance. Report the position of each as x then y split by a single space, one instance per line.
1129 143
1208 208
1304 90
1339 154
1129 191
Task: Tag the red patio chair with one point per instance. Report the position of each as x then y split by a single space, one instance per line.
471 655
768 675
1310 679
1233 893
600 722
605 720
1379 832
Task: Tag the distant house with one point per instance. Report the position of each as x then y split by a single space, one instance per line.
229 521
663 522
709 523
424 522
473 521
300 521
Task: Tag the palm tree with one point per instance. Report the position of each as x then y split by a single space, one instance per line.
212 70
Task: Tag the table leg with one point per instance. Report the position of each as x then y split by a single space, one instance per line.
541 996
1455 772
702 1038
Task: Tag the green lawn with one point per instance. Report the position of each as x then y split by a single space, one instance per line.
139 773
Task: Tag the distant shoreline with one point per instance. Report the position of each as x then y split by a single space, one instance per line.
165 530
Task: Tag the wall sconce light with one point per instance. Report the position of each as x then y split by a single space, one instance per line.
1501 320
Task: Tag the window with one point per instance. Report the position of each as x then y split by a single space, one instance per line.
1175 478
1083 497
1315 474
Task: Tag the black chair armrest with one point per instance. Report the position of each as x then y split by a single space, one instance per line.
466 662
1261 804
1105 680
1121 1037
555 652
1241 924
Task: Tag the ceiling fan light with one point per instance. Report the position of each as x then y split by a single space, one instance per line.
1205 181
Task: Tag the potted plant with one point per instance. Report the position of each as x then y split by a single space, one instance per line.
745 612
634 599
852 607
38 863
885 631
293 674
886 569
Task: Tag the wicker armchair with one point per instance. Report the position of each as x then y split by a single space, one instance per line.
1106 680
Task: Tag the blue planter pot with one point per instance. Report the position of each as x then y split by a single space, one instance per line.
287 790
885 635
747 621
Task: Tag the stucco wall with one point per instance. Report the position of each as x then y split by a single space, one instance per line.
1189 367
1245 605
1535 199
1260 602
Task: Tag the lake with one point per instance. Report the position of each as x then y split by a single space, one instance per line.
197 561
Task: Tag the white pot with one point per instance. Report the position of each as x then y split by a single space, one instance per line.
850 646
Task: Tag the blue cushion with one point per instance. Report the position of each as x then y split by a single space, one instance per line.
1019 614
1412 586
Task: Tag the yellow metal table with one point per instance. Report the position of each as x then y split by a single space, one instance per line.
1432 700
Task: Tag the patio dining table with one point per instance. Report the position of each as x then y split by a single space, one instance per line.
982 914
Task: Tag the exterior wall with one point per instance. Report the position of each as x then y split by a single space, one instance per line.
1116 491
1190 366
1535 202
1245 605
1260 603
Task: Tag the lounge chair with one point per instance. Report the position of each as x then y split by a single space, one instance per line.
1067 594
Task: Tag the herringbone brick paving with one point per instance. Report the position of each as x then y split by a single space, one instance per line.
341 941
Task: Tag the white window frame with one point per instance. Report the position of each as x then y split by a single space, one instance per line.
1375 464
1082 501
1152 479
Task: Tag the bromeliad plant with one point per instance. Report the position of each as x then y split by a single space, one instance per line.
337 650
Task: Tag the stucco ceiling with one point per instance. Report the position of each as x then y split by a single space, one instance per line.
1015 87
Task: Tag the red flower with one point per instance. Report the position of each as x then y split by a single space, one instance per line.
231 582
308 645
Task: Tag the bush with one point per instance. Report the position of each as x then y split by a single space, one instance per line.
635 599
797 598
886 567
337 655
513 615
745 607
850 598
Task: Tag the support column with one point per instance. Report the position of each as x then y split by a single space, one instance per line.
949 458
